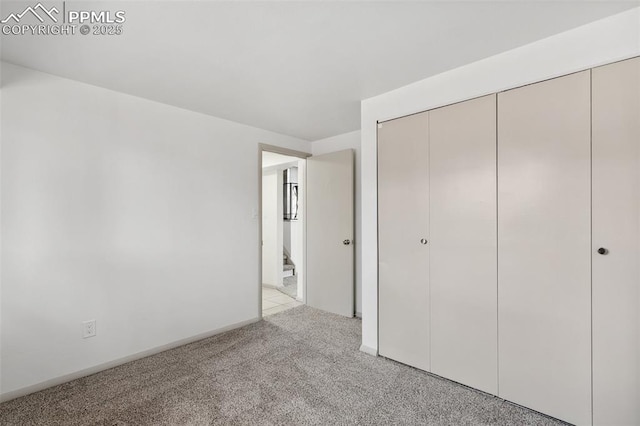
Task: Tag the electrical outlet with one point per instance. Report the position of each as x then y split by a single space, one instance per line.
88 329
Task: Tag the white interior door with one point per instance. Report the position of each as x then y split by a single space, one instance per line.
544 247
616 228
463 276
330 236
403 234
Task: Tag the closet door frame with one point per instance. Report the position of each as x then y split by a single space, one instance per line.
594 417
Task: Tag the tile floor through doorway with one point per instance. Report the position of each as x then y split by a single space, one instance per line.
274 301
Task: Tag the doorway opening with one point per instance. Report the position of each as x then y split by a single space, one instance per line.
282 187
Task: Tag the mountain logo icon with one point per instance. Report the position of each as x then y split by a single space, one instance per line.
39 11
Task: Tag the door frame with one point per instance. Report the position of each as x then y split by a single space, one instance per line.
292 153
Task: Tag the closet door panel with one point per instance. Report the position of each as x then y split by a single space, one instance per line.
403 218
616 227
463 246
544 247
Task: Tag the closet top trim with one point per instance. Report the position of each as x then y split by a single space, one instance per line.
379 122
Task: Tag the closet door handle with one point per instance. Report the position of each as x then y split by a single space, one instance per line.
423 241
603 250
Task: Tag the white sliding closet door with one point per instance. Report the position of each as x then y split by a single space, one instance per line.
463 247
616 228
544 247
403 215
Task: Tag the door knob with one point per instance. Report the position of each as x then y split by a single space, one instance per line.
603 250
423 241
346 242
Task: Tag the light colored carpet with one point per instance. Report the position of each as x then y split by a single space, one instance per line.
298 367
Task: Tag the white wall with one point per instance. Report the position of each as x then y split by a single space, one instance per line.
125 211
291 230
272 231
295 240
337 143
298 234
286 235
608 40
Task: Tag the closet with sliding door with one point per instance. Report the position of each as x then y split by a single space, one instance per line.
509 244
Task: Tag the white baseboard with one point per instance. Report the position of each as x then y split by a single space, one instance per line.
110 364
368 350
272 286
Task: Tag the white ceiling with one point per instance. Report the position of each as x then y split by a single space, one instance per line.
270 159
298 68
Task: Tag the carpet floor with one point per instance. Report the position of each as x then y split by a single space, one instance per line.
298 367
